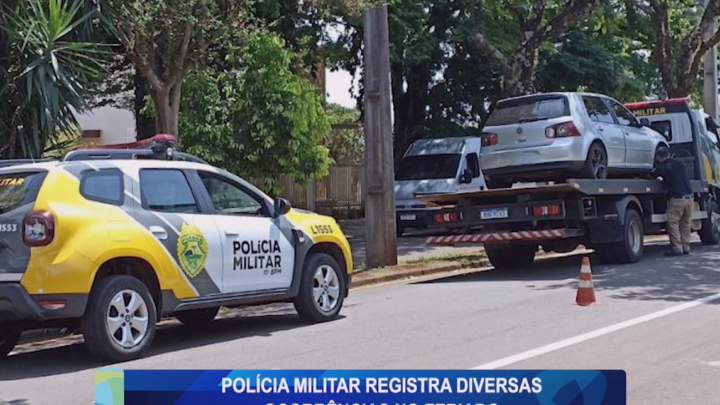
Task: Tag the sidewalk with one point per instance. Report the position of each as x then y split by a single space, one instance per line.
410 247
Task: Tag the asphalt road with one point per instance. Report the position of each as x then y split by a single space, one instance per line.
650 323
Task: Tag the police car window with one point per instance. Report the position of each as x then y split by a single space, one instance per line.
229 199
597 110
105 186
167 191
664 128
624 116
16 190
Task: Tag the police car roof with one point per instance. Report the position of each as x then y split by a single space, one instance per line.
119 163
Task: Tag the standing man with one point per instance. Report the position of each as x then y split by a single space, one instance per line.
680 202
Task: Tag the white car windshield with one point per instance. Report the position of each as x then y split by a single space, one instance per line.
428 167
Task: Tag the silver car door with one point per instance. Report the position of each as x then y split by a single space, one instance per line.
640 151
607 129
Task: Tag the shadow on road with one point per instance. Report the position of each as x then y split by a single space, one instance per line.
655 278
249 322
14 402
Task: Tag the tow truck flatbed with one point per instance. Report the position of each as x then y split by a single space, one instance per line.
611 216
582 186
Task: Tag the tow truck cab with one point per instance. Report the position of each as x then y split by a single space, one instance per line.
690 132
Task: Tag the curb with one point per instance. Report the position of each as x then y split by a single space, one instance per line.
426 271
418 273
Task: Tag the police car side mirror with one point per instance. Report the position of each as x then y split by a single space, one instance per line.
644 122
282 207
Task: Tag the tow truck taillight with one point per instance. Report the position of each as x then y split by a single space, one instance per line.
447 218
38 229
489 139
564 130
547 210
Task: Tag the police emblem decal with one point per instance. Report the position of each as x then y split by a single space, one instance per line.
192 250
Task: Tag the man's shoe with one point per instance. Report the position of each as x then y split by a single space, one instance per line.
673 253
686 253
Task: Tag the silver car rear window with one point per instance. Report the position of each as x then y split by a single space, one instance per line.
529 109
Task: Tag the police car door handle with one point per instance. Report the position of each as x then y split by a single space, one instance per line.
231 233
159 232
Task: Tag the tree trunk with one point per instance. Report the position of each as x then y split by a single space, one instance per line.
167 109
520 75
144 125
409 98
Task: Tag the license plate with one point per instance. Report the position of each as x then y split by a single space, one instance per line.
494 213
408 217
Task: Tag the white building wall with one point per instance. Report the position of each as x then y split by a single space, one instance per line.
115 125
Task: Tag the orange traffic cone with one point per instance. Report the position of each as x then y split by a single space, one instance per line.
586 289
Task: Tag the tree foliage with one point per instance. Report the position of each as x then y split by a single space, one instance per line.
45 75
525 26
346 140
257 119
675 37
451 59
164 38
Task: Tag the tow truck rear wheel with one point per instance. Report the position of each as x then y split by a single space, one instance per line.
511 257
8 340
630 249
710 232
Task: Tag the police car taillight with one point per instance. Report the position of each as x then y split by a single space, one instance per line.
38 229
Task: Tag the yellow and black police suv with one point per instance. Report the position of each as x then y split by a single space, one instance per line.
109 241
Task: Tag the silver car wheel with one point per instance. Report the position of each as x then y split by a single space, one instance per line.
326 288
127 319
599 163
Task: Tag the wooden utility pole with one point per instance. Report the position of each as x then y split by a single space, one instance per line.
380 234
710 85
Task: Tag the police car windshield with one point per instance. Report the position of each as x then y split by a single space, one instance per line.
15 190
428 167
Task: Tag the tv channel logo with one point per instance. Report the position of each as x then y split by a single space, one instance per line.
109 386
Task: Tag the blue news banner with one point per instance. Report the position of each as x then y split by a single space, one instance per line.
364 387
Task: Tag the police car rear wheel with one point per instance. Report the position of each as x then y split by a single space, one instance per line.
322 290
120 321
197 317
8 340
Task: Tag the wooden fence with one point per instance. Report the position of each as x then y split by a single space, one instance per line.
339 194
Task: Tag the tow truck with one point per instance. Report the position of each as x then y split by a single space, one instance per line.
610 216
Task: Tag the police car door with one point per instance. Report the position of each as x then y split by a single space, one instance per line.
257 254
172 212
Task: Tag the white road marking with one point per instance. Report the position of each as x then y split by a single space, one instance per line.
594 334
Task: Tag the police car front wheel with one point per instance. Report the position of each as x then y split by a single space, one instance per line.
120 321
322 290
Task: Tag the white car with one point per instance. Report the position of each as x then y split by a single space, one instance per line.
549 137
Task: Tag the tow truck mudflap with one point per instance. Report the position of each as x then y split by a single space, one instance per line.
505 237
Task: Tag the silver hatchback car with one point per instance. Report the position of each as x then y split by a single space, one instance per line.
548 137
